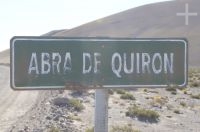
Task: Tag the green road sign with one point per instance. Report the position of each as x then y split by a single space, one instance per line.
58 63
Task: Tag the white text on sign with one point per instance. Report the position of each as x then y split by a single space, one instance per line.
126 63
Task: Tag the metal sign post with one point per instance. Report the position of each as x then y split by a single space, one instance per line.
101 110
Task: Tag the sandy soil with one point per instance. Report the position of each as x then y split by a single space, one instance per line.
13 104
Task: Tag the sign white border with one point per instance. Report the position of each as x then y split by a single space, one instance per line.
14 39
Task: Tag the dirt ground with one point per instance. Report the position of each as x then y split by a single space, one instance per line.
43 111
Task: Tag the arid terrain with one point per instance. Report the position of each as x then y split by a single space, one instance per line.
13 104
143 109
177 109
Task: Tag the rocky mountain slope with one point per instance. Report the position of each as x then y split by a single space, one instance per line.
5 57
153 20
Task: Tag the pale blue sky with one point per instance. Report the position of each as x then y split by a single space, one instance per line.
36 17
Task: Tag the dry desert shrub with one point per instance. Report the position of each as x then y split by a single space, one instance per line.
127 96
124 128
143 114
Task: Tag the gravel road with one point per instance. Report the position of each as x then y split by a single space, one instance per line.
13 104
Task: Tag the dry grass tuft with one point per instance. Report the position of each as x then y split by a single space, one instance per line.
183 104
158 101
53 129
127 96
194 77
124 128
76 104
120 91
197 96
142 114
90 129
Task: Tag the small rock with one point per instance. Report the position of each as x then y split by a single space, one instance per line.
61 91
56 118
63 125
181 124
65 116
33 117
62 120
26 128
152 91
87 101
47 103
147 98
169 116
71 121
189 92
75 114
48 125
48 118
60 101
59 112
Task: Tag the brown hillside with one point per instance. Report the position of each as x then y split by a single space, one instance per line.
5 57
154 20
51 33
